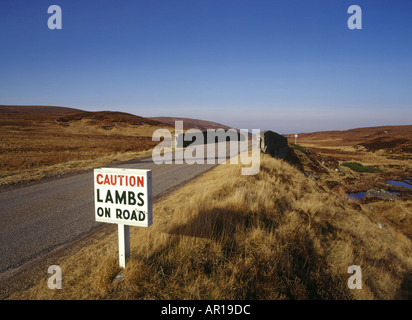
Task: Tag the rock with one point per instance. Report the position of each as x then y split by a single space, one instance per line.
381 194
274 144
311 175
119 278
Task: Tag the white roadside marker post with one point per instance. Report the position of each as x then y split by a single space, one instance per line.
124 244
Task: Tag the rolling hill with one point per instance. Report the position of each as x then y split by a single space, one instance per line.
359 136
36 141
189 123
36 109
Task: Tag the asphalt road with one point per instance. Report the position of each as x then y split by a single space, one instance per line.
36 219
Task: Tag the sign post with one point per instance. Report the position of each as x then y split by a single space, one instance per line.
124 197
124 244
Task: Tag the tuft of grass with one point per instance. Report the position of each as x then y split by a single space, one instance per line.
358 167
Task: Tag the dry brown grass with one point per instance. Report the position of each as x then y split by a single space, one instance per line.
275 235
34 145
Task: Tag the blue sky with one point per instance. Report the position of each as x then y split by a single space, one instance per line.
289 66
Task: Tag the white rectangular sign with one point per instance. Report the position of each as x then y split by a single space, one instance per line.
123 196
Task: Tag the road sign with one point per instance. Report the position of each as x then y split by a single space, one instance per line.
124 197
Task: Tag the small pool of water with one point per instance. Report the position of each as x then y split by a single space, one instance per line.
405 183
361 195
357 195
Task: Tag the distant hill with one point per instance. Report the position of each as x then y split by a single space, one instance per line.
389 138
37 109
189 123
108 117
39 141
65 116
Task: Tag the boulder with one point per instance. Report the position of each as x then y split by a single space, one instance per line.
381 194
274 144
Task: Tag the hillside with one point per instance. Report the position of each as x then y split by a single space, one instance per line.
274 235
188 123
36 142
36 109
384 139
358 160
